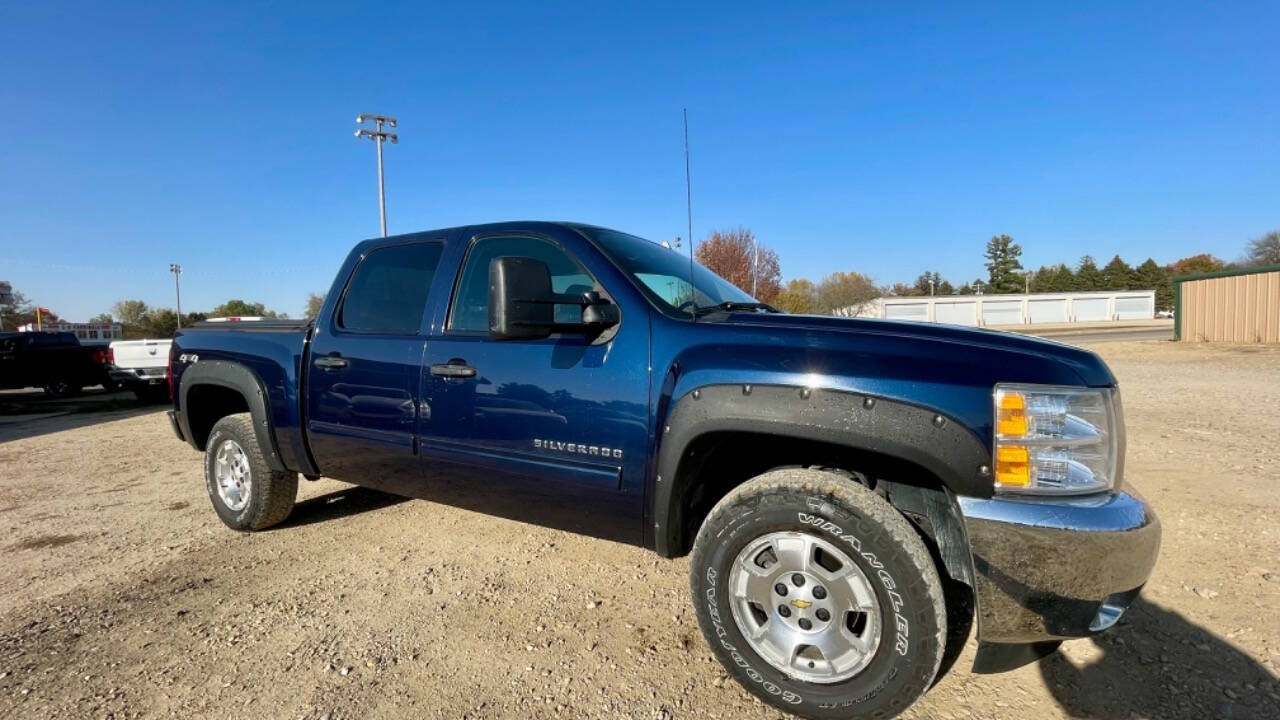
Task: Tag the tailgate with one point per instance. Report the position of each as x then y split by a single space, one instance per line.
134 354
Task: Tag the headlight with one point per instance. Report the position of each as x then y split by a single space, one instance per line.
1057 440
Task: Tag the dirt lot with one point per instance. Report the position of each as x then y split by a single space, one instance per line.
122 595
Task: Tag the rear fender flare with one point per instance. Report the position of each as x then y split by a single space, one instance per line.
243 380
926 437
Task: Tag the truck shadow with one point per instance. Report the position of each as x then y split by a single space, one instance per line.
1156 663
349 501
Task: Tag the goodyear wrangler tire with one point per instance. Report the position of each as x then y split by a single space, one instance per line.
246 493
819 597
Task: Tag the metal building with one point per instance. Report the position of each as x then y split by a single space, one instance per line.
1237 306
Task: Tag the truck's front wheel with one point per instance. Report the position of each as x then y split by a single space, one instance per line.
246 492
818 596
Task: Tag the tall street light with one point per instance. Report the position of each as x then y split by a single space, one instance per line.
176 269
378 137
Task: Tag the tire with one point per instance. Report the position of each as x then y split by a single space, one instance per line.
61 388
824 521
263 497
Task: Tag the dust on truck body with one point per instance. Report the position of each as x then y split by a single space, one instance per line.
856 494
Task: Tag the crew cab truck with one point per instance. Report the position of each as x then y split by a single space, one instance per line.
53 361
856 494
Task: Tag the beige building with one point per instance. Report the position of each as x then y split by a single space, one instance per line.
1236 306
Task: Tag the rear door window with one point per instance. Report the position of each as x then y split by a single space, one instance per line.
388 291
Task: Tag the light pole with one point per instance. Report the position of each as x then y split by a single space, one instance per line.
930 287
378 136
176 269
755 264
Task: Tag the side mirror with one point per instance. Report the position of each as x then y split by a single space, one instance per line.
522 303
520 306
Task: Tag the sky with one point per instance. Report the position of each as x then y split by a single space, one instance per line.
888 139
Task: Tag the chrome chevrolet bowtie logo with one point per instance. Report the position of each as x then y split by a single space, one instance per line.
577 449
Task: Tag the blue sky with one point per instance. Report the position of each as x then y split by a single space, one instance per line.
888 140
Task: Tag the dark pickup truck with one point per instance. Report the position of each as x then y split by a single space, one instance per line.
54 361
855 494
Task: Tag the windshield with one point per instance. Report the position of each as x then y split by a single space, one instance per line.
663 274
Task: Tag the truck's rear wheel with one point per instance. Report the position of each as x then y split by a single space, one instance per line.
61 388
246 492
818 596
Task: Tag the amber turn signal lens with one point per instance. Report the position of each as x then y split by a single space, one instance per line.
1013 466
1012 420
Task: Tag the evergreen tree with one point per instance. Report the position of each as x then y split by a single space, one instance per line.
1003 266
1117 275
1053 278
1088 276
1151 276
931 283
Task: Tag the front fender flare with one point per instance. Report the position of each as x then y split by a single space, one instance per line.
935 442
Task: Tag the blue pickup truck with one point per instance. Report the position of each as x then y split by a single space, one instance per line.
855 494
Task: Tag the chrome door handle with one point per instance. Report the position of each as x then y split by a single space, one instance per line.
330 362
453 370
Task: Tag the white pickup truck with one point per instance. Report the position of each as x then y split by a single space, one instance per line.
141 365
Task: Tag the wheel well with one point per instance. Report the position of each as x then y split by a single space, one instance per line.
717 462
206 404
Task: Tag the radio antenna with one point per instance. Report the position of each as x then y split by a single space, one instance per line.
688 204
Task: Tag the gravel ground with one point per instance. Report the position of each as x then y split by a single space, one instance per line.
122 595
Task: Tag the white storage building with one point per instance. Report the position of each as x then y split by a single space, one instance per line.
1036 308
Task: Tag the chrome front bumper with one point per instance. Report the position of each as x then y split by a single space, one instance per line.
1049 569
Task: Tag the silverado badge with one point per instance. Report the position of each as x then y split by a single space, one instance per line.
577 449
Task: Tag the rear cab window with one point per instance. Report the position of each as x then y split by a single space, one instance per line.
388 290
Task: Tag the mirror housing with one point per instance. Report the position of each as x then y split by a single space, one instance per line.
522 303
518 290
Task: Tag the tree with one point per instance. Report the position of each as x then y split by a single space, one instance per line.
101 319
800 297
1053 278
315 301
900 290
1202 263
1266 249
846 293
240 308
1150 276
16 310
1088 276
730 253
131 312
931 283
1117 275
161 323
1003 266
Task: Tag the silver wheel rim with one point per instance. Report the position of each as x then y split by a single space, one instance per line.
231 475
805 607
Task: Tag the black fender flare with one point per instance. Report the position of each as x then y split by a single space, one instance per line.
244 381
938 443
